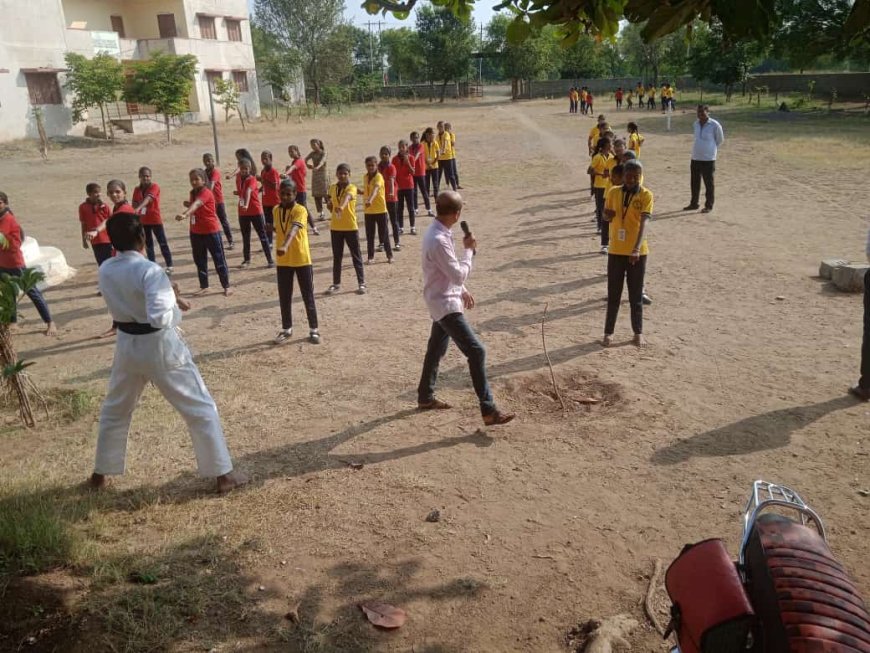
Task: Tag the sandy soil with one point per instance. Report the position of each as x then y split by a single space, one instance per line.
547 522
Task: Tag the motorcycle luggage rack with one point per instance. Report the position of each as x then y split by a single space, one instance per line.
767 495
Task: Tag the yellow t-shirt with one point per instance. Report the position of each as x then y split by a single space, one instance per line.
298 254
432 152
600 163
584 95
627 220
652 91
445 147
634 143
611 164
453 142
343 220
380 203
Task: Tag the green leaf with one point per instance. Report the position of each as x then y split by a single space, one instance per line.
518 31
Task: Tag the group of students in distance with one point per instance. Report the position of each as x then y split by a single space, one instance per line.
623 207
581 100
274 205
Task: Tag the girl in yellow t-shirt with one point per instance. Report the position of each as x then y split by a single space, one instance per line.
599 170
375 198
431 152
293 259
343 228
635 140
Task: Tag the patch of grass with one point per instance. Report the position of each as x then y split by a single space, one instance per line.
70 405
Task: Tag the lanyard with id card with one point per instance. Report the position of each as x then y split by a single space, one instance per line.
626 201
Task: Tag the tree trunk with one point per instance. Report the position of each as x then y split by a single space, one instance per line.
241 119
103 117
16 382
443 91
168 131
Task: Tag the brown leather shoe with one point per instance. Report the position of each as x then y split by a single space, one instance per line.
860 393
496 418
435 404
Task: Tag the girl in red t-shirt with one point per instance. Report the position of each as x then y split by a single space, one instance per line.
298 172
251 213
117 192
213 183
270 178
388 172
205 231
419 157
146 204
12 262
93 214
404 164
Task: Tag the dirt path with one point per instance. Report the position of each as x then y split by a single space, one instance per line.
545 523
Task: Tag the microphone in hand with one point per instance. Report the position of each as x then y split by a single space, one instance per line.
469 242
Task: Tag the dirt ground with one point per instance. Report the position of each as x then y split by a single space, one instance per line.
545 523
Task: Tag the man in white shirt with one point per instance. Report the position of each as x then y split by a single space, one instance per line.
446 296
146 309
862 390
708 137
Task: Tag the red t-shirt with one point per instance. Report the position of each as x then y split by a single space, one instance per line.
123 207
11 257
404 172
298 173
92 216
152 211
419 160
619 95
255 206
204 220
217 187
388 172
271 179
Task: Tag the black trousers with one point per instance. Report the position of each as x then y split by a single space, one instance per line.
258 223
393 212
705 170
270 223
302 200
339 239
433 178
221 210
446 172
864 382
305 275
102 252
620 268
598 193
377 221
203 245
157 231
406 198
421 184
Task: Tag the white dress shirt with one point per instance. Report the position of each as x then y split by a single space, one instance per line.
137 290
708 138
443 274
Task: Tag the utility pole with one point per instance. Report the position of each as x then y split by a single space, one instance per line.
480 61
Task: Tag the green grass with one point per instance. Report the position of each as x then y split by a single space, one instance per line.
72 404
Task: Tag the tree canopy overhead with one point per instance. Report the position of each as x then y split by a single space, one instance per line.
739 19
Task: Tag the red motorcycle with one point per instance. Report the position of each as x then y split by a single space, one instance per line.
785 594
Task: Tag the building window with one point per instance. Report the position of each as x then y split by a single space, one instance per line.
212 76
206 28
240 77
118 25
43 88
234 29
166 26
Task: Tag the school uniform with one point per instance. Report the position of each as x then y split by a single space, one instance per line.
433 174
150 349
651 94
446 159
217 189
271 179
251 217
12 262
455 164
376 214
152 221
418 153
599 185
344 230
92 216
405 183
205 239
122 207
624 228
299 174
296 262
634 143
388 172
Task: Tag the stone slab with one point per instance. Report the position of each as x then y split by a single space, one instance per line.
850 278
827 267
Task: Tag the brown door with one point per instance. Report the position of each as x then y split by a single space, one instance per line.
166 25
118 25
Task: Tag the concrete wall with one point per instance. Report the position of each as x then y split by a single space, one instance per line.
140 16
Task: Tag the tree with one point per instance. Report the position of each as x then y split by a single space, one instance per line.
227 95
17 384
277 65
368 51
307 27
717 60
164 81
538 58
93 83
583 59
404 54
447 43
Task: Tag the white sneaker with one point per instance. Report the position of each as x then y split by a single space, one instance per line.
168 271
362 289
314 337
430 214
283 336
332 290
397 247
413 231
603 249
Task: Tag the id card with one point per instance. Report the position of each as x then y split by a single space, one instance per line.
192 219
620 235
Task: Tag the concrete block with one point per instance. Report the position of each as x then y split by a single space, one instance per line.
850 278
826 269
49 260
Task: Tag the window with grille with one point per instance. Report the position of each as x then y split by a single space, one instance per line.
43 88
212 76
118 25
240 77
234 29
206 27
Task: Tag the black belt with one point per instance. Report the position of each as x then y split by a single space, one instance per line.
136 328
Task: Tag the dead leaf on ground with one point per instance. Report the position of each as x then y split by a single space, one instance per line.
581 399
384 615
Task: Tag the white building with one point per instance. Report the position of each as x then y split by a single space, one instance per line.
37 33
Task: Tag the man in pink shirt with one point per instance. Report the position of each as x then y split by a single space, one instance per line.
446 297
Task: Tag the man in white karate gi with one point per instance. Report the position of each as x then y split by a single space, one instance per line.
147 310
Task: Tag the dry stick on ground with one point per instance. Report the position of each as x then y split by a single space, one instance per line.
549 362
647 602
